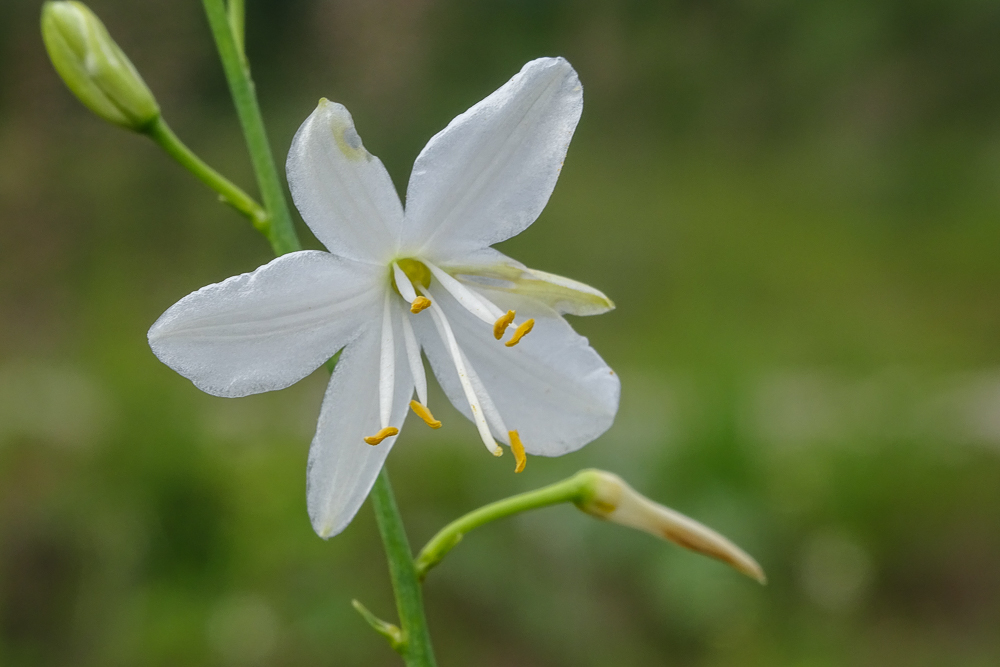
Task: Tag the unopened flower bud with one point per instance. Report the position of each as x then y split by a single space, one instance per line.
94 67
607 496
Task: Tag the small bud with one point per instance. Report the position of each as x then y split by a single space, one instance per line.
94 67
607 496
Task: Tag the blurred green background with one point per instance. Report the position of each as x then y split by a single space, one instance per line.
796 207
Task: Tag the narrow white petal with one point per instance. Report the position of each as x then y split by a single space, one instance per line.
492 269
343 192
473 409
387 364
489 174
413 356
552 387
267 329
479 307
403 283
342 467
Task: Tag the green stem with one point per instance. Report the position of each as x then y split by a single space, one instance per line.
237 23
279 231
161 133
576 489
416 642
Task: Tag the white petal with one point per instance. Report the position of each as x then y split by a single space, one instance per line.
268 329
489 174
492 269
342 466
343 192
552 387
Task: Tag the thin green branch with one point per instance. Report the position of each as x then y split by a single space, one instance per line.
576 489
416 641
391 632
279 231
161 133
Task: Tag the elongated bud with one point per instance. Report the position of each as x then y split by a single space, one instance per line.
95 68
607 496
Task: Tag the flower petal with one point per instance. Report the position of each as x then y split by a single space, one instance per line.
492 269
489 174
552 387
342 467
268 329
343 192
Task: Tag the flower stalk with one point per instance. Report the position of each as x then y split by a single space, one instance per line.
606 496
415 641
278 229
165 138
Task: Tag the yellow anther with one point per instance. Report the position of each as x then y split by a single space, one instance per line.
421 411
502 323
420 303
382 435
520 333
498 451
518 449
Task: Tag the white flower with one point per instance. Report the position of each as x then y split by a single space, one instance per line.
396 283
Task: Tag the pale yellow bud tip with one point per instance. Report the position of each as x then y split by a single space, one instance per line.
500 326
610 498
420 303
387 432
520 333
421 411
518 449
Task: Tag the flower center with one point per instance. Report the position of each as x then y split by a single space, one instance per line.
415 270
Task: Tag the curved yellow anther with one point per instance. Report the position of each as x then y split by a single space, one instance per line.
518 449
420 303
382 435
520 333
502 323
421 411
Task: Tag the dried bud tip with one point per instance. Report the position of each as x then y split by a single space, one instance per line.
608 497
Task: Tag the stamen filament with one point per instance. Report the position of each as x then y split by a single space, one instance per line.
387 432
518 449
469 299
500 326
448 337
416 365
387 366
421 411
520 333
403 283
405 287
490 411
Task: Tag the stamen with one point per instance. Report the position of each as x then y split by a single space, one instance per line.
405 288
387 432
518 449
416 365
500 326
421 411
448 337
520 333
469 299
387 367
420 303
403 284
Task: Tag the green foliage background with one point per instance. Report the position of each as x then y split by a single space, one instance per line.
795 205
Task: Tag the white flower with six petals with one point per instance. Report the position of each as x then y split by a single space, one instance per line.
396 283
